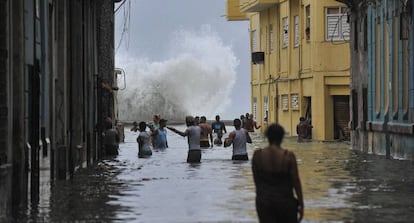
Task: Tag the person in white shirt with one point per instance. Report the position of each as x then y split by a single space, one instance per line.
193 132
239 138
144 141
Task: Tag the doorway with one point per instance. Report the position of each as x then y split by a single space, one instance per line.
341 117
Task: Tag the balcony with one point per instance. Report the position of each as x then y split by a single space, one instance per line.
256 5
233 11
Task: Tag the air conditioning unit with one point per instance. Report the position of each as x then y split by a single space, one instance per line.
258 57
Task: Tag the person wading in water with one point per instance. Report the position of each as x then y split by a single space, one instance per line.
275 174
144 141
218 128
193 133
160 136
206 131
239 138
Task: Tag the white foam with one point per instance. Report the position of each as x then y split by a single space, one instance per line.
196 79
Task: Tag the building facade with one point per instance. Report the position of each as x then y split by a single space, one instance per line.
382 77
55 58
300 63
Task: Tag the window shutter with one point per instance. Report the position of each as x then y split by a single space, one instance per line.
254 107
254 41
271 38
346 29
296 31
333 27
285 32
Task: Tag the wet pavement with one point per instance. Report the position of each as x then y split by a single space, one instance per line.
339 185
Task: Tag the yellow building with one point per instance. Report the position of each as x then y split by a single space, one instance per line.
300 63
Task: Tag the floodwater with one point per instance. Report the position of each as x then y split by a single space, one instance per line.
339 185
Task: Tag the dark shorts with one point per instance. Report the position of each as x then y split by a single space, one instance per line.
111 150
284 210
194 156
204 144
240 157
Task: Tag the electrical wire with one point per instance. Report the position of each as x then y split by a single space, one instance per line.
122 3
343 40
125 26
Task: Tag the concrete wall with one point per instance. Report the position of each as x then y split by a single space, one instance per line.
51 72
381 122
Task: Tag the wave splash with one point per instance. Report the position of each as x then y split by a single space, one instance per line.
197 79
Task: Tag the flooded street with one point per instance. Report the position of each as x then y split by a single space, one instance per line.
338 186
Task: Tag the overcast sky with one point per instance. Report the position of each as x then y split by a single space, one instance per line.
152 23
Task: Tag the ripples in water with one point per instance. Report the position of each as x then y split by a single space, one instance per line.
339 185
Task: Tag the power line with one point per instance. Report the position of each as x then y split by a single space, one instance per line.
125 26
116 10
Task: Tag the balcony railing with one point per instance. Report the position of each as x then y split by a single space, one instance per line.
256 5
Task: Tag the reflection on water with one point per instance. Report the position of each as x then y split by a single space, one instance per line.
339 186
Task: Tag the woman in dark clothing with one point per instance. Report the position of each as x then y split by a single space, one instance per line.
275 174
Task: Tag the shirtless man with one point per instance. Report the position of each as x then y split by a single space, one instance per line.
206 131
196 120
250 124
134 127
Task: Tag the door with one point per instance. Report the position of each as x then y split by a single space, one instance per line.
341 117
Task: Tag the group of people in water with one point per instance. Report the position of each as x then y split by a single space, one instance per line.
275 171
199 133
156 138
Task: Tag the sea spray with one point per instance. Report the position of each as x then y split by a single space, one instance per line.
196 79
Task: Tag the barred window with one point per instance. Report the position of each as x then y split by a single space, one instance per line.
337 26
285 32
296 20
271 38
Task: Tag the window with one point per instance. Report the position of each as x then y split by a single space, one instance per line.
271 38
296 21
337 26
285 32
285 102
308 23
254 41
295 101
255 107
